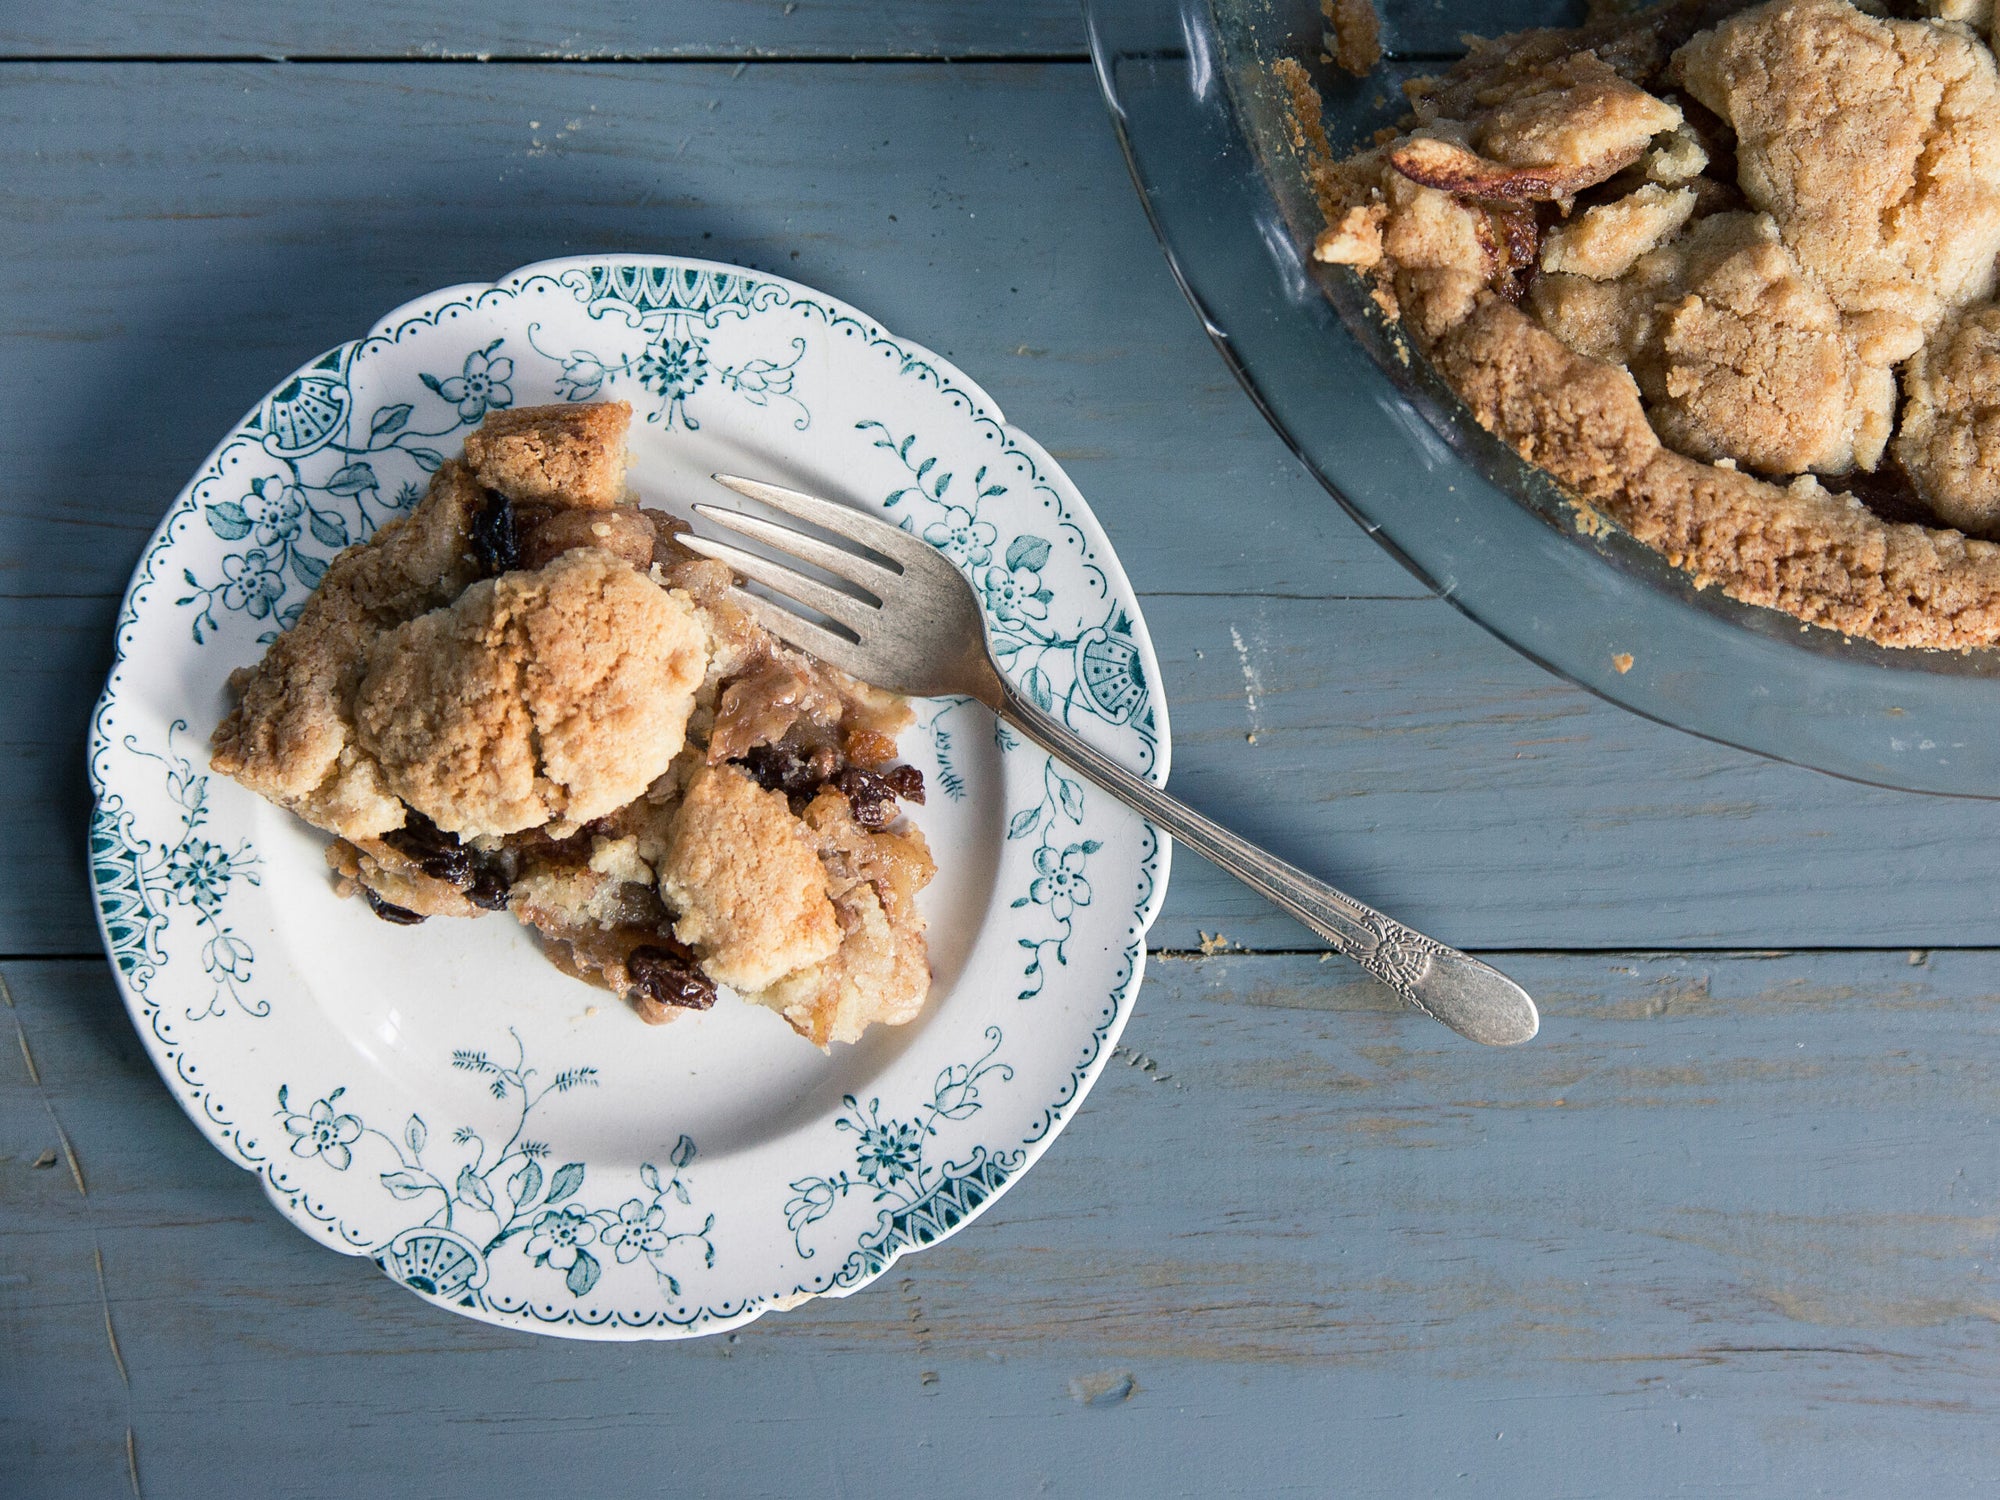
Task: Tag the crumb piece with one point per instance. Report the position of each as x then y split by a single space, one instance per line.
1354 35
1622 662
1739 354
567 897
1603 242
747 881
619 858
1676 157
554 455
1355 240
1577 116
1756 363
558 694
1545 134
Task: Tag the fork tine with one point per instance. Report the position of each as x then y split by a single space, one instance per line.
793 630
852 612
864 572
842 520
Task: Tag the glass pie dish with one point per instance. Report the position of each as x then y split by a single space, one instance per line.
1206 128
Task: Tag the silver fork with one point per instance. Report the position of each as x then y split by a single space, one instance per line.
920 632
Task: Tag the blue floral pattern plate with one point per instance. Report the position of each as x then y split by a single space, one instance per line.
497 1137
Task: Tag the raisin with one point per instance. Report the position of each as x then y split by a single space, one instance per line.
872 794
388 911
670 976
869 795
782 768
438 854
496 540
487 891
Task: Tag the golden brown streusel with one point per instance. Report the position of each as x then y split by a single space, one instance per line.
1681 261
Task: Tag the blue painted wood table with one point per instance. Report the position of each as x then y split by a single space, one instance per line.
1728 1226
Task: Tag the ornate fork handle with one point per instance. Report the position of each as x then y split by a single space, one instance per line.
1472 998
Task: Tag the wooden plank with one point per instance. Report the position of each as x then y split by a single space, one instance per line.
60 650
429 30
583 29
1727 1225
1438 28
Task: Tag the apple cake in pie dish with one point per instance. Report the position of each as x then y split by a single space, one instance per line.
527 697
1728 275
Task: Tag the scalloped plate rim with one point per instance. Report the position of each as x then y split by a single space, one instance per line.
1155 866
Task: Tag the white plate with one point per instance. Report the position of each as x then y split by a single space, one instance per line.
506 1141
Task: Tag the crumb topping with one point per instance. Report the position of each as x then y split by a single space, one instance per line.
570 456
1875 144
559 694
747 881
1353 34
527 696
1950 438
1604 240
1747 229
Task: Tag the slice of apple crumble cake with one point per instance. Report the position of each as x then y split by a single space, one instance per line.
526 696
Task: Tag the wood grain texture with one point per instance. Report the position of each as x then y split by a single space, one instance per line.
189 234
1727 1227
1398 748
432 30
584 29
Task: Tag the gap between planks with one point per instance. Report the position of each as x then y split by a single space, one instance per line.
1226 949
544 59
94 597
1222 948
609 59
